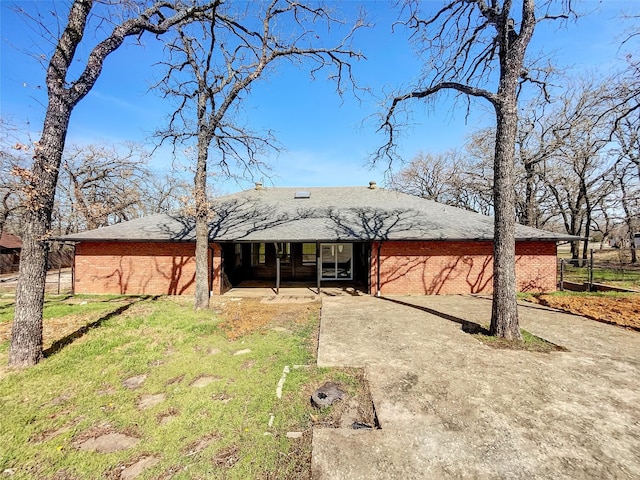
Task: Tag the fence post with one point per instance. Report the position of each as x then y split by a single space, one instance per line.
562 274
59 269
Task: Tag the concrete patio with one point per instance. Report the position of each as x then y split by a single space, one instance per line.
452 407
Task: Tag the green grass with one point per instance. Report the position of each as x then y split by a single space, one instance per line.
529 342
618 274
62 305
614 277
79 390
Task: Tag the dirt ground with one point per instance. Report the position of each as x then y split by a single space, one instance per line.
623 311
58 282
242 316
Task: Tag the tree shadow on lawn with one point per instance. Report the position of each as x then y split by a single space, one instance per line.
69 339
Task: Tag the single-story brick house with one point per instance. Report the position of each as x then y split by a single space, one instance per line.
388 242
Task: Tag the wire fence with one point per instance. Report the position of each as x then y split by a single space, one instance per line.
59 278
610 269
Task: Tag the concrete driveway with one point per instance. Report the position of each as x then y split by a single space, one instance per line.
451 407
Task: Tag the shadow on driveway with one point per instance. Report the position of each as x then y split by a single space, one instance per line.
452 407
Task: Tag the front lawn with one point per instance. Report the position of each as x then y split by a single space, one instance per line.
177 393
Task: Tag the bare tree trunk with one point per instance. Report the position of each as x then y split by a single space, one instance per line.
202 227
587 234
504 312
629 220
26 332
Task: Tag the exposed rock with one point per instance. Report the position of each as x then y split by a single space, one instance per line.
135 382
148 401
108 443
203 381
137 468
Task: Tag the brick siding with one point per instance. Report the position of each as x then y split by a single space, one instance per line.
135 268
447 267
414 268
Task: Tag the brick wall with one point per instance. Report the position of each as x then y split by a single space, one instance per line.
449 267
416 268
135 268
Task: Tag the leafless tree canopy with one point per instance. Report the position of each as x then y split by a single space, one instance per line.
577 168
210 68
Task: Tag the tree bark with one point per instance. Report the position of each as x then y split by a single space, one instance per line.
202 215
504 308
504 311
26 332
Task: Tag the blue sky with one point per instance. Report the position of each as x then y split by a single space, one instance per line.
327 140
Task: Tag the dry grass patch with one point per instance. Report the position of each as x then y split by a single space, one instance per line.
614 308
244 316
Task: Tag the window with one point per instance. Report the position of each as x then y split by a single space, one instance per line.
337 261
238 255
283 250
308 253
258 254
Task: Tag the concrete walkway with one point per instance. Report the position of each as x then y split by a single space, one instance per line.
451 407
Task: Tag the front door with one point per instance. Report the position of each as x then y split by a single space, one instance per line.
337 261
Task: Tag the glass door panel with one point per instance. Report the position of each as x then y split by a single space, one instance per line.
344 260
328 260
337 261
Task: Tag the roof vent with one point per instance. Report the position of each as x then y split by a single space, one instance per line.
302 195
373 185
258 185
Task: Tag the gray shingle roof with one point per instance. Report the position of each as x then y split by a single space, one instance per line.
328 214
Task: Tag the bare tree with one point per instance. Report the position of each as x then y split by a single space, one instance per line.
165 193
581 133
469 43
626 173
101 185
210 69
430 176
13 151
64 93
461 179
624 91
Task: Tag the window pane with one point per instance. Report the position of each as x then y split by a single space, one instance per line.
344 256
308 253
258 256
328 254
283 250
